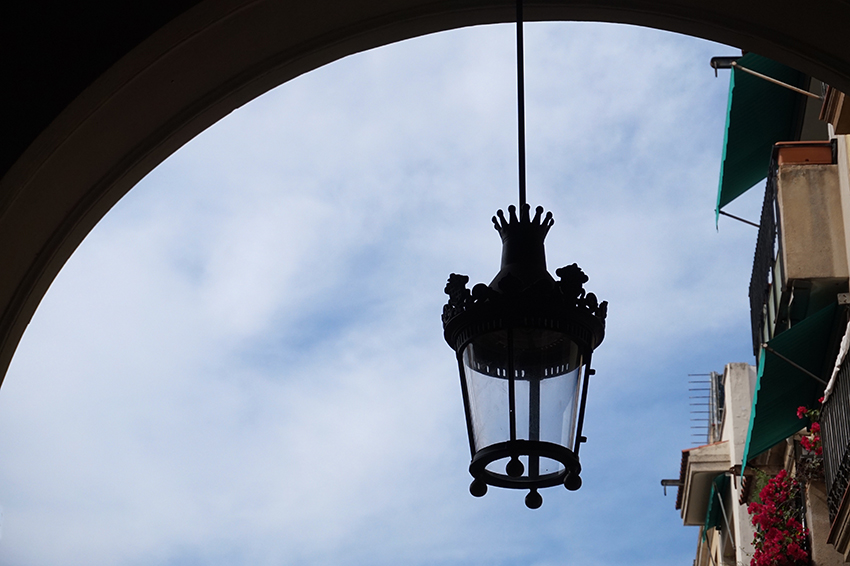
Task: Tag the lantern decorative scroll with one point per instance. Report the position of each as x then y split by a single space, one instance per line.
524 346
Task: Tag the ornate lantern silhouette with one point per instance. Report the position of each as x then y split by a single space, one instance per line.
524 345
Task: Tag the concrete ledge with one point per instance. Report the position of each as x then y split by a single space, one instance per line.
700 466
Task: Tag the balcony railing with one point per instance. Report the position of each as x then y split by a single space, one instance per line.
761 280
802 184
835 435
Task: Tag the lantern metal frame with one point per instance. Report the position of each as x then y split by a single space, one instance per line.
524 296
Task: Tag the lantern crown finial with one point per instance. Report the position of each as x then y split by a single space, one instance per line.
523 253
524 223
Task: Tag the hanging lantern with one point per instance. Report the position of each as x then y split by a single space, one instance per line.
524 345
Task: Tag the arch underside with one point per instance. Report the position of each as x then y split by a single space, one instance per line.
193 68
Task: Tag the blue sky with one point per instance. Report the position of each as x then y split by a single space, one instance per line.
244 364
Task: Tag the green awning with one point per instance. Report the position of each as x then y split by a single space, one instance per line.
758 115
714 512
781 388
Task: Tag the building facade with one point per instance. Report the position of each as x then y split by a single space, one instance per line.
770 486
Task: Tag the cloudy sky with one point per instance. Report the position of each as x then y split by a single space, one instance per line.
244 363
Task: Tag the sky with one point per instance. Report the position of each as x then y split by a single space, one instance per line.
243 363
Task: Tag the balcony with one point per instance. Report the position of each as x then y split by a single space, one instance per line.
800 262
835 427
835 422
700 467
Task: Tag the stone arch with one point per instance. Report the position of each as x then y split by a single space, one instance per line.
194 68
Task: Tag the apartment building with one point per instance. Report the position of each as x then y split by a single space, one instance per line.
796 143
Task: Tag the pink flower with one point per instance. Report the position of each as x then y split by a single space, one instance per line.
815 427
801 412
820 400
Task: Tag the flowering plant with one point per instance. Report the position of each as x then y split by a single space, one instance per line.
811 463
812 442
780 538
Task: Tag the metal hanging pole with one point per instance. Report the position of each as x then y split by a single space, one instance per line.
520 82
732 63
738 218
776 82
793 363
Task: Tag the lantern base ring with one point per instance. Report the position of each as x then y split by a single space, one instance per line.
514 449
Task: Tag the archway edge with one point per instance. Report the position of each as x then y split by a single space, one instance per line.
221 54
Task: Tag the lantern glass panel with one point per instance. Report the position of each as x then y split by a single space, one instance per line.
547 408
486 374
547 369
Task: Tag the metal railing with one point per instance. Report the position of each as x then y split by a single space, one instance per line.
716 407
769 294
835 435
763 263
